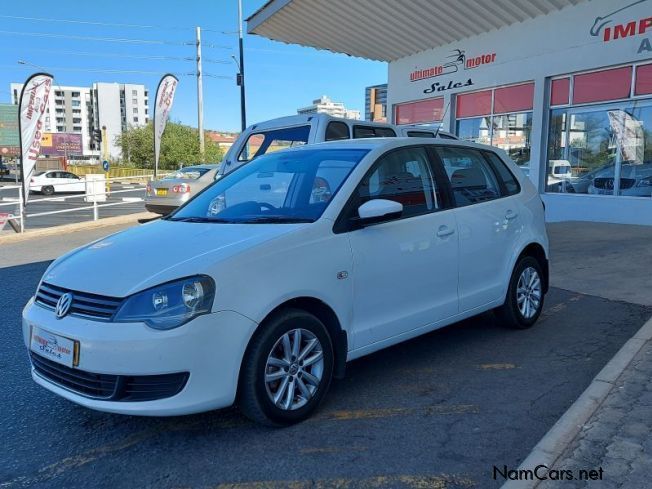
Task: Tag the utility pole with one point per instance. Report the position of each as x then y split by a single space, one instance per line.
200 96
241 77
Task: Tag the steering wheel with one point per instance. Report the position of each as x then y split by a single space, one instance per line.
265 205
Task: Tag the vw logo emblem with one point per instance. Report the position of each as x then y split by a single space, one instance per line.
609 184
63 305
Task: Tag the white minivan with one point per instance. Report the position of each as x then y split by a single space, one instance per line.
298 130
260 289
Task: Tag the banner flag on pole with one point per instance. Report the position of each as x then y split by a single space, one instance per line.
32 105
164 98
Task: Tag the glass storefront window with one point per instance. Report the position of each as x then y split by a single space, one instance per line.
477 130
601 150
510 132
500 117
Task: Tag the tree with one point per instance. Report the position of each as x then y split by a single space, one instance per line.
179 146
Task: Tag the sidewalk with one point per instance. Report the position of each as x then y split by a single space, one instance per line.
617 437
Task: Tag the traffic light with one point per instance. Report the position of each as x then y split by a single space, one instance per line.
97 135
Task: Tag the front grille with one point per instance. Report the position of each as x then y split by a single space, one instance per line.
83 304
110 387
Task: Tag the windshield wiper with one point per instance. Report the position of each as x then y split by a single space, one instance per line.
201 219
275 220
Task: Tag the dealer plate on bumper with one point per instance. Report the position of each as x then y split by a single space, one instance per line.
54 347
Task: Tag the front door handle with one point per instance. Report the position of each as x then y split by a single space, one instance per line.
444 231
510 214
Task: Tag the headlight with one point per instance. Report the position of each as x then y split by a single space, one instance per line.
169 305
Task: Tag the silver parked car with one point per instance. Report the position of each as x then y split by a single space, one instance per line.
168 193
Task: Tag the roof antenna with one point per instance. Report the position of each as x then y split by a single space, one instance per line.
442 118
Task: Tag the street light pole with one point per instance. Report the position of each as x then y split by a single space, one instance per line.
200 96
241 76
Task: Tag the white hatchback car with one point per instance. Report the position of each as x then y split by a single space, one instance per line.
262 287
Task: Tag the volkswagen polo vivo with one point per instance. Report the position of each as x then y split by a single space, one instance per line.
261 288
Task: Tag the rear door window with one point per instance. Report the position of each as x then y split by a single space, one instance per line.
471 177
337 130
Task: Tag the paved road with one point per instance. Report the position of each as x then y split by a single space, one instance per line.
438 411
35 207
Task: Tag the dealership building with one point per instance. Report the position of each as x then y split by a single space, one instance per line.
564 86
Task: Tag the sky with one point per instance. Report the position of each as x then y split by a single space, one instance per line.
279 77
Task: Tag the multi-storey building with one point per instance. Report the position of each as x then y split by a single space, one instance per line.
80 110
375 103
326 106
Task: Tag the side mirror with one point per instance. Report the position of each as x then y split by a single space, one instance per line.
378 210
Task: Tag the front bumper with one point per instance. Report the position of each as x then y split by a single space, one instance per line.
210 348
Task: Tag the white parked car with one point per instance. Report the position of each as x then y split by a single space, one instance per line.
297 130
262 287
59 181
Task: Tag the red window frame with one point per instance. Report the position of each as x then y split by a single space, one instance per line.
602 86
428 110
560 91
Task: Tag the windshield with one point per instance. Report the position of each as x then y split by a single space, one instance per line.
260 143
190 173
291 186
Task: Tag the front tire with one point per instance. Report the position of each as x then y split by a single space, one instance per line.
287 369
524 300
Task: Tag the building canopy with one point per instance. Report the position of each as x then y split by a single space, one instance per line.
388 30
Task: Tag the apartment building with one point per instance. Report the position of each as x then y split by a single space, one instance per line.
375 103
80 110
324 105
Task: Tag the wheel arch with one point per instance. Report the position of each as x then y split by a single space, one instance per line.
326 314
536 251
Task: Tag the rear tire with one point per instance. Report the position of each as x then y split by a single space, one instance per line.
47 190
282 382
524 300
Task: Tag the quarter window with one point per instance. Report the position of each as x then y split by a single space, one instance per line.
360 132
504 174
471 178
420 134
402 176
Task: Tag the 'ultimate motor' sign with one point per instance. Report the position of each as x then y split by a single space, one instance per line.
458 61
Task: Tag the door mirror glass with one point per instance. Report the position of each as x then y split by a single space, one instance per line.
377 210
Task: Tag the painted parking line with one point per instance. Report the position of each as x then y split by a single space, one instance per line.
431 410
496 366
377 482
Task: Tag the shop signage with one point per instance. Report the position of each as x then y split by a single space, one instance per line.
441 87
605 26
458 61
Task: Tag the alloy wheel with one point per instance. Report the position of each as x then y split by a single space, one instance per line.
294 369
528 292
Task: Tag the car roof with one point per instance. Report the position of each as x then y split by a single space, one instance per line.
303 119
389 143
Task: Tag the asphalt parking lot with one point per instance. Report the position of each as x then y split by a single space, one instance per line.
438 411
124 202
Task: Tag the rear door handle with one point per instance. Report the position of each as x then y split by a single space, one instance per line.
444 231
510 214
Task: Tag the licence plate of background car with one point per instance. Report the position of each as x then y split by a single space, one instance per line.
54 347
161 192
